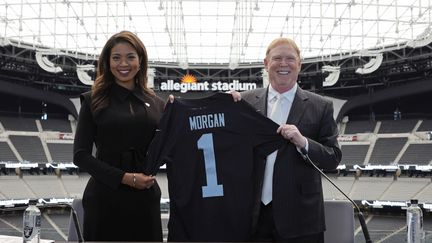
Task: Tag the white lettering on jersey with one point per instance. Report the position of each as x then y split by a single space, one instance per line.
207 121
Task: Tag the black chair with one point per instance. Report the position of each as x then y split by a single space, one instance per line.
75 233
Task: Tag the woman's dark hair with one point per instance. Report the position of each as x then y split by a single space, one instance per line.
105 79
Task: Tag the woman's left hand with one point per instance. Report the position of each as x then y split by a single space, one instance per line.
138 180
143 181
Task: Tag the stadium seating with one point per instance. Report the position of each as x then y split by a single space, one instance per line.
386 150
59 125
420 154
354 154
30 148
6 154
354 127
404 188
386 142
61 152
426 125
397 126
383 142
12 123
32 140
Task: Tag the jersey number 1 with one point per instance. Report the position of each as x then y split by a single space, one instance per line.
205 143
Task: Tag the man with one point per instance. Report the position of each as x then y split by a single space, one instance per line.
291 205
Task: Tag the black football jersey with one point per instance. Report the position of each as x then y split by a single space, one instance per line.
211 147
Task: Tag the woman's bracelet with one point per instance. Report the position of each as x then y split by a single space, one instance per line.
133 179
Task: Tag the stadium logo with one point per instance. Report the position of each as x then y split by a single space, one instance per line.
188 79
189 83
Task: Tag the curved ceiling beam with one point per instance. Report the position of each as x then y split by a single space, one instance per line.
333 76
46 64
422 40
83 76
372 65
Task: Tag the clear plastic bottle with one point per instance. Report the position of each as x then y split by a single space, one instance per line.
31 223
415 233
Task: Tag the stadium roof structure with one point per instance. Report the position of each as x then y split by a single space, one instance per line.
185 32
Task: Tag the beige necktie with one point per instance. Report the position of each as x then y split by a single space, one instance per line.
277 115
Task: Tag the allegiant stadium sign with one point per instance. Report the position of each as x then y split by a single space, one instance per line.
183 87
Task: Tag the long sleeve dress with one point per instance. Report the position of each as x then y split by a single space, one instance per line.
121 133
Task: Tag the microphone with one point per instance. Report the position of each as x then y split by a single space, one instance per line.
359 213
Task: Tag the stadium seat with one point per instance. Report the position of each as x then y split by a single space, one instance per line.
77 206
339 218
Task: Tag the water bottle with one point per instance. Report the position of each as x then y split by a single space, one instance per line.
31 223
414 214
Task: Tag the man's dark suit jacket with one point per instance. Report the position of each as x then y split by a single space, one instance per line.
298 205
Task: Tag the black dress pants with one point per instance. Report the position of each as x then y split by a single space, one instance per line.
266 230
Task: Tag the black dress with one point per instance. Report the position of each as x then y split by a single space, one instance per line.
121 133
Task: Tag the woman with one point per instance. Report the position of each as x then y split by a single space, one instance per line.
119 115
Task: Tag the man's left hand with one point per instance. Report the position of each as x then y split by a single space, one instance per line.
291 133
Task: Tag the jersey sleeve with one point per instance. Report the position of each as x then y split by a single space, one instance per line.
159 148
